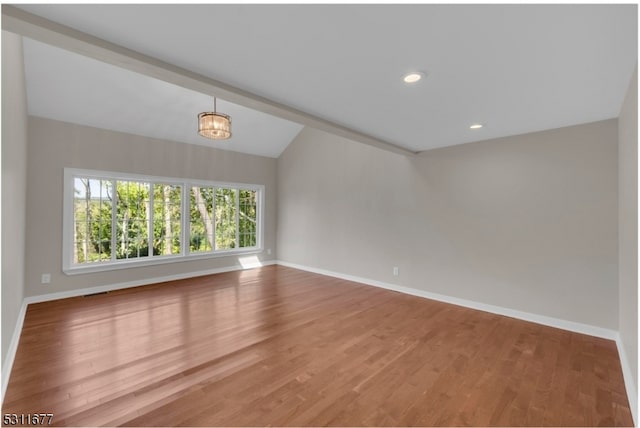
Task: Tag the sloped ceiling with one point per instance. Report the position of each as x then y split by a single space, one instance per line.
65 86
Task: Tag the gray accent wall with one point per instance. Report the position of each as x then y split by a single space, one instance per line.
55 145
628 226
527 222
14 184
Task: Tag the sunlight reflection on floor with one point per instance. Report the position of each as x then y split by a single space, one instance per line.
249 262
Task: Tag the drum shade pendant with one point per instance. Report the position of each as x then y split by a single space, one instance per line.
214 125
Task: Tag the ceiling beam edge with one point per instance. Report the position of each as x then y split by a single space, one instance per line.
35 27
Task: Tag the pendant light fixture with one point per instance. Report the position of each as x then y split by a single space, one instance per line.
214 125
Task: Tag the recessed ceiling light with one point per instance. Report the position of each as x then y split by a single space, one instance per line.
413 77
476 126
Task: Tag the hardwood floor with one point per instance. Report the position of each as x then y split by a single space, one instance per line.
279 346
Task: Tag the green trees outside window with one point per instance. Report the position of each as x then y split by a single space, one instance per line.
167 219
149 215
92 220
201 225
235 218
248 217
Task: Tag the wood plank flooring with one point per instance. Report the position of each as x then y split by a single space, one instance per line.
279 346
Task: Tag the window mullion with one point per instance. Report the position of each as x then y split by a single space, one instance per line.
114 218
237 218
150 222
186 219
213 218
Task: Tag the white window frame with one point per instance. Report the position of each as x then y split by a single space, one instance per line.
69 268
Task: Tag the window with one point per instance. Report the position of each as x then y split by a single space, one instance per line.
201 223
113 220
132 219
167 215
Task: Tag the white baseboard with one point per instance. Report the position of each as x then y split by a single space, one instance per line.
629 383
137 283
526 316
13 348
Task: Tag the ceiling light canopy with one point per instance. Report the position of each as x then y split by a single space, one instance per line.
214 125
413 77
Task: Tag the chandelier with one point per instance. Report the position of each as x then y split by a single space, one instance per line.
214 125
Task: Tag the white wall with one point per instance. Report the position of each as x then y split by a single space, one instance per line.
55 145
527 222
628 228
14 185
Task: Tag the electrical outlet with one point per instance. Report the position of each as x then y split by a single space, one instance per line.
269 251
396 271
46 278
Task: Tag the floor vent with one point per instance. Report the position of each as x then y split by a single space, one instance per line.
95 294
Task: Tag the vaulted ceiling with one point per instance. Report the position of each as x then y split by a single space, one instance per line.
512 68
66 86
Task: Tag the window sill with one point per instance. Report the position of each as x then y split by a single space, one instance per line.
155 260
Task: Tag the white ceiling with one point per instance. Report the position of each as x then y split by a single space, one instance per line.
73 88
514 68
